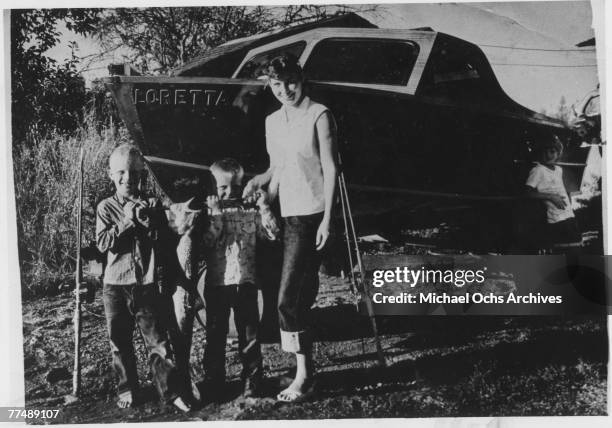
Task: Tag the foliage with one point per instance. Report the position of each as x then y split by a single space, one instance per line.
163 38
564 111
46 188
101 106
46 95
49 99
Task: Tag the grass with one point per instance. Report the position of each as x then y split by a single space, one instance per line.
552 390
46 189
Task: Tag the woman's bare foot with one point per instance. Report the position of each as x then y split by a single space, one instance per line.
125 400
181 405
300 389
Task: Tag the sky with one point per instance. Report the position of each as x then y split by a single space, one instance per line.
531 45
507 32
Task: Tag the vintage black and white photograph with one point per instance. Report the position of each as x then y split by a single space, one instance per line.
320 211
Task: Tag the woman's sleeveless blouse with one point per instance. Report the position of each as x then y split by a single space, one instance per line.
294 153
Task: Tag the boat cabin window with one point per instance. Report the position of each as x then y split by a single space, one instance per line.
457 70
373 61
454 66
252 68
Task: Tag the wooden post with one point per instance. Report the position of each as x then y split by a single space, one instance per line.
76 373
359 283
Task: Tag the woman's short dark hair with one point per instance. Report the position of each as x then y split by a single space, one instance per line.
284 67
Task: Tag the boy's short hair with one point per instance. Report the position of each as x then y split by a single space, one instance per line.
228 166
126 150
283 67
554 142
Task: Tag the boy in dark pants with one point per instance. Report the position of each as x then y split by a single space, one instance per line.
127 228
230 249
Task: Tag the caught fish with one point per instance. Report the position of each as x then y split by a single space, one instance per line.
182 220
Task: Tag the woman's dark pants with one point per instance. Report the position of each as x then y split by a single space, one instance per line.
299 281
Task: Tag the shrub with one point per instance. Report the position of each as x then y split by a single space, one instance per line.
46 188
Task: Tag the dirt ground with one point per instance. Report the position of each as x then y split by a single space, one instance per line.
436 366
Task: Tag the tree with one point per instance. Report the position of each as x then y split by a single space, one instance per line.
564 111
160 39
46 95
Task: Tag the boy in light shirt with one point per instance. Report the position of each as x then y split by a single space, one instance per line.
230 248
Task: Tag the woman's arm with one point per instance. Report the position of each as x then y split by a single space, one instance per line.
326 134
262 180
258 182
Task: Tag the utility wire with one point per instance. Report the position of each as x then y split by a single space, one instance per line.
546 65
538 49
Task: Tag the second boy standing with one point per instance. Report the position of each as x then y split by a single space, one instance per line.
230 249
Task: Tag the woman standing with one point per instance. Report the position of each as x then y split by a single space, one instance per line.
301 143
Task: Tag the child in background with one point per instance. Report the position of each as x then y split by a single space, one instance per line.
230 249
127 228
545 182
